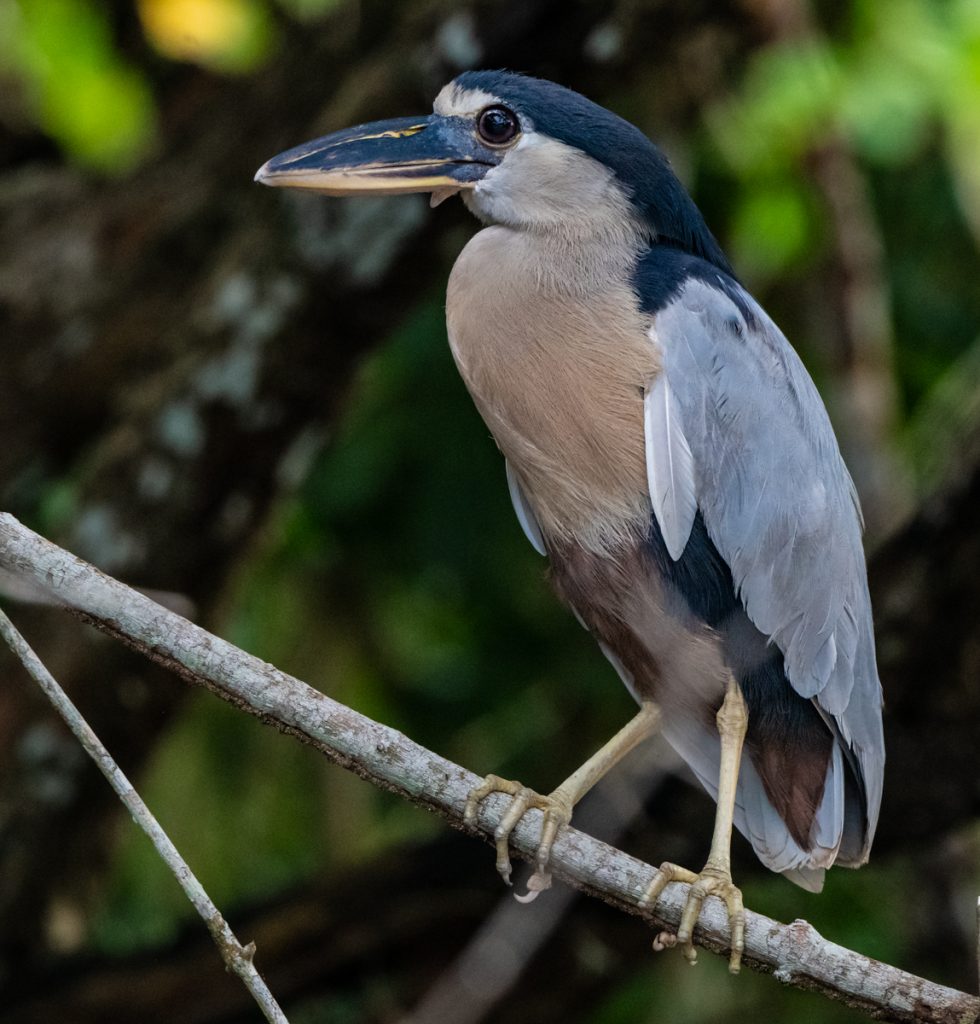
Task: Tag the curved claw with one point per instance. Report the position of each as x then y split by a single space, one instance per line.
556 813
710 882
536 884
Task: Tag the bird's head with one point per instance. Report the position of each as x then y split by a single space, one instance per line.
523 152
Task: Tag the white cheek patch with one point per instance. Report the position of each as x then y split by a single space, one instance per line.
542 181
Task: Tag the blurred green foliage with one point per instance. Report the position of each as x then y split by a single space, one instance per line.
98 106
81 91
898 77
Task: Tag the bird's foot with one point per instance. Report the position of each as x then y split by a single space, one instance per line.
712 881
557 812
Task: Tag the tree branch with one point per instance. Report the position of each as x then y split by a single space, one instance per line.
796 954
238 959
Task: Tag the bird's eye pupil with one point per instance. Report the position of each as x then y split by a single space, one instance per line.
497 125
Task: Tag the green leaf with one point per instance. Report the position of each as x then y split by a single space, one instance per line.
771 228
84 95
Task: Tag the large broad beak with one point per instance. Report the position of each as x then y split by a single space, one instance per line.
426 154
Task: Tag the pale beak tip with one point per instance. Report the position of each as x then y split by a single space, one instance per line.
262 174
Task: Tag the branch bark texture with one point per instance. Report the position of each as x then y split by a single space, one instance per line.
795 954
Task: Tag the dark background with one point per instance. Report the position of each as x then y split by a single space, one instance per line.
244 398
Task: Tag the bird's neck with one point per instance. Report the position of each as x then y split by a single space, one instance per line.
575 263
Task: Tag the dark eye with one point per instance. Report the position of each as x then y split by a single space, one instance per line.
497 125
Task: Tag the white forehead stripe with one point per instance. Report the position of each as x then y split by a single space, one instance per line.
454 100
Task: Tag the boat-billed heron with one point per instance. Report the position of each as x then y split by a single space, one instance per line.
668 454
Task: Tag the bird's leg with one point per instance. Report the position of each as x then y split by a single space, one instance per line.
557 805
715 878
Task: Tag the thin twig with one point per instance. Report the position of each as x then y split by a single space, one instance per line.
238 958
796 953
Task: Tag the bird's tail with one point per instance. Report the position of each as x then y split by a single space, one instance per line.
837 831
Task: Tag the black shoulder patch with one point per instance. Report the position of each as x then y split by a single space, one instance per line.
663 269
701 576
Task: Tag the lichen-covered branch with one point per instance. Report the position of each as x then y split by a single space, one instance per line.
795 954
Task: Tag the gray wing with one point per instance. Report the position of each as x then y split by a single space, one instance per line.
778 504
